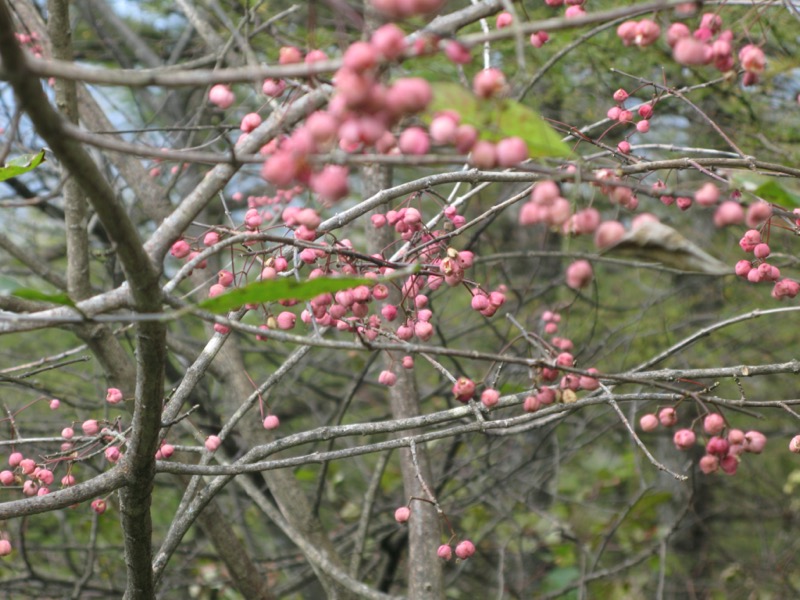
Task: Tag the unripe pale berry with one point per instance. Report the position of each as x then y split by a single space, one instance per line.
465 549
271 422
402 514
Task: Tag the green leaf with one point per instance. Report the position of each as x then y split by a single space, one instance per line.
774 192
498 119
21 164
31 294
281 289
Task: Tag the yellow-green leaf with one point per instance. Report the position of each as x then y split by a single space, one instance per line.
21 164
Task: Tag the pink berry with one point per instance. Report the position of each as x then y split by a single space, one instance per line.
330 184
445 552
757 213
503 19
212 443
112 454
402 514
68 480
387 378
457 53
684 439
667 417
691 51
729 213
99 506
465 549
414 140
165 451
761 250
511 151
288 55
286 320
718 446
389 40
221 95
709 464
249 122
729 464
90 427
750 240
707 195
643 126
273 87
752 59
113 396
54 404
490 398
483 155
360 56
620 96
713 424
271 422
27 465
180 249
463 389
579 274
5 547
754 441
7 477
608 233
488 83
30 488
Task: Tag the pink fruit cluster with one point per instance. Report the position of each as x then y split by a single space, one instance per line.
623 116
639 33
722 452
758 270
464 550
